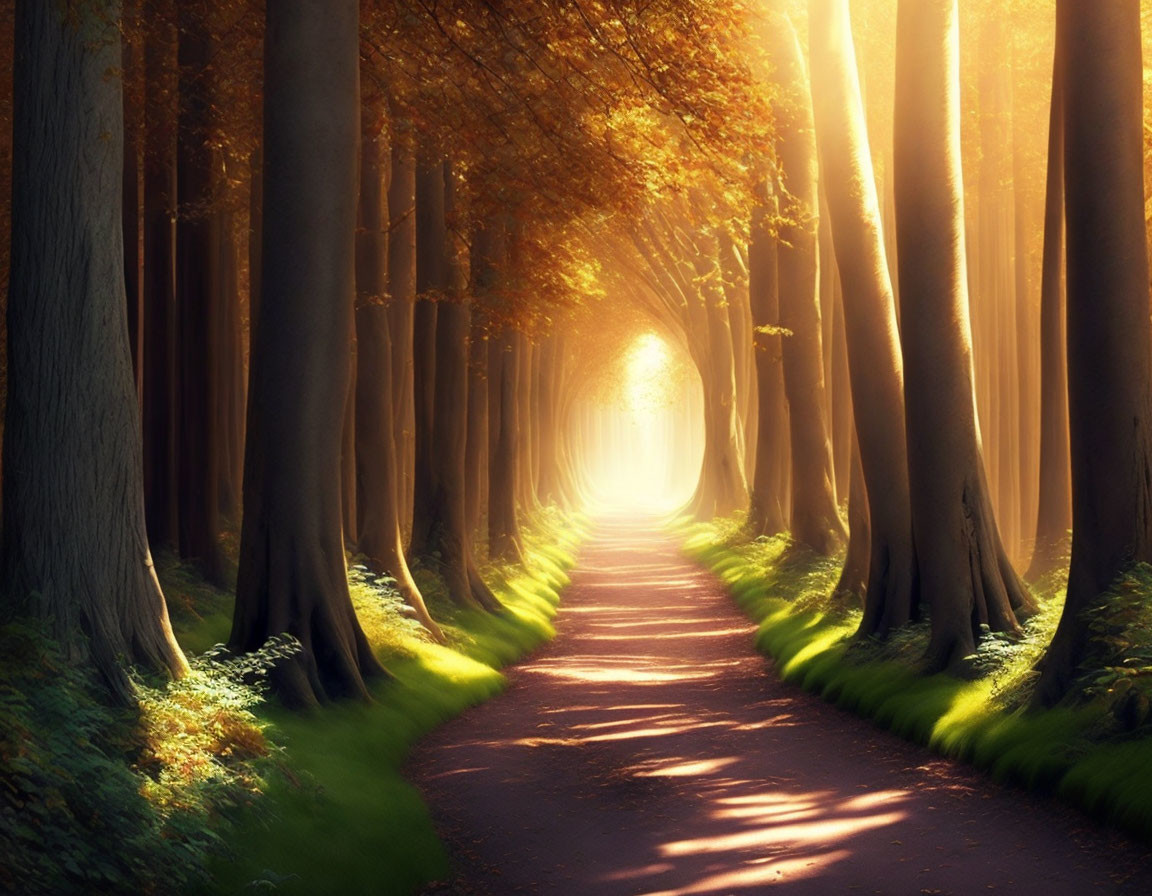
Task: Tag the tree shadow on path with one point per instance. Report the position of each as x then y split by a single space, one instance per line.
650 750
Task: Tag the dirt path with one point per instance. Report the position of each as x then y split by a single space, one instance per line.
650 750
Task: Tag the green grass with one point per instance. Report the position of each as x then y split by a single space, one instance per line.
340 815
1078 751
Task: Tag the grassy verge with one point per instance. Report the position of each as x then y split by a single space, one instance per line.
1087 754
338 815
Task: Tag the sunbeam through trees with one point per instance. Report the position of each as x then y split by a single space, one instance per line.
352 350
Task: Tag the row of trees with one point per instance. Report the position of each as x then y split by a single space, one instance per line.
383 205
345 271
808 276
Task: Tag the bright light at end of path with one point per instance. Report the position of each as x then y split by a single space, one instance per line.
649 370
645 441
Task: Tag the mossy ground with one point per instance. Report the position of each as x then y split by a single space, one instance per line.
1079 751
340 817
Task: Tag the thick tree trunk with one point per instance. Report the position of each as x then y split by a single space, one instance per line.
349 515
1054 513
133 150
199 305
876 369
159 405
75 549
767 509
815 521
1109 369
964 571
293 576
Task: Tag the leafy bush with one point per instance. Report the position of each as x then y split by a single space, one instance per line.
100 799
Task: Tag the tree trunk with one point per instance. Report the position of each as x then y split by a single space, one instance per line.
766 511
75 546
1109 375
349 516
199 305
723 490
504 448
816 521
293 576
401 305
476 457
876 370
133 145
159 403
431 285
1054 514
375 449
964 571
852 587
233 382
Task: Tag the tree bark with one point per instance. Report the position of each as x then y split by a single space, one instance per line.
293 576
75 549
767 509
198 304
815 521
1109 369
876 370
159 405
504 448
1054 513
401 305
431 285
439 531
375 449
722 489
964 571
133 146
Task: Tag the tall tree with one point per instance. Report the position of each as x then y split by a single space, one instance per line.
767 509
964 571
292 571
159 402
199 301
1109 364
1054 512
815 519
375 451
439 531
401 301
75 549
504 441
876 369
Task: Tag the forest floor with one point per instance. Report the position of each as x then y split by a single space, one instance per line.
649 749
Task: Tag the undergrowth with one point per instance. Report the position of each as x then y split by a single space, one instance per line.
99 799
346 819
205 787
1094 751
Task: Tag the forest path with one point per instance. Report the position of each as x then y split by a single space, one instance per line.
649 749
